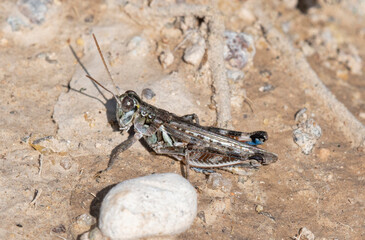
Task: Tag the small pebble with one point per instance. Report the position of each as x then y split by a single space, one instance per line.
235 75
266 88
138 47
362 115
147 93
194 54
239 49
59 229
85 219
259 208
66 163
291 4
301 115
169 33
307 131
217 181
246 15
80 42
89 19
305 234
34 10
94 234
154 205
265 73
50 144
201 215
350 57
15 23
307 49
166 58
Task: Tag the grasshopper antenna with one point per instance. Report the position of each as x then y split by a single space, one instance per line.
106 67
92 79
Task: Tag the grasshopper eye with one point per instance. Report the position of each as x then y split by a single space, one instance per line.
127 104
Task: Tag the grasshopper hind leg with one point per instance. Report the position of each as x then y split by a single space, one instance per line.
202 170
250 138
257 138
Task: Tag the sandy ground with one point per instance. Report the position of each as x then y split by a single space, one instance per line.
57 129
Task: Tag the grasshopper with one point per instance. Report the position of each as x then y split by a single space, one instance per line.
182 137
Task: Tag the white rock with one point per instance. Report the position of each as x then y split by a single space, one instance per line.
194 54
246 15
154 205
235 75
291 4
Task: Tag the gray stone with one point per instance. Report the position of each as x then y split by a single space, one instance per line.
34 10
307 132
239 49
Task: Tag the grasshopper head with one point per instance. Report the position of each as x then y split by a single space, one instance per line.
127 108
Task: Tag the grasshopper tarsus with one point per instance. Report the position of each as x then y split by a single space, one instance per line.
121 148
193 118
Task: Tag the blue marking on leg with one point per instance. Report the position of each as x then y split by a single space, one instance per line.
254 143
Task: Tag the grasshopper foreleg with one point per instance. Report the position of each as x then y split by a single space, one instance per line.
121 148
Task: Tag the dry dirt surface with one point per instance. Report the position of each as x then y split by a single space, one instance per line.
57 128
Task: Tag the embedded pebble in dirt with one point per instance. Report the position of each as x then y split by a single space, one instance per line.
239 49
93 234
217 181
305 234
154 205
194 54
307 131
